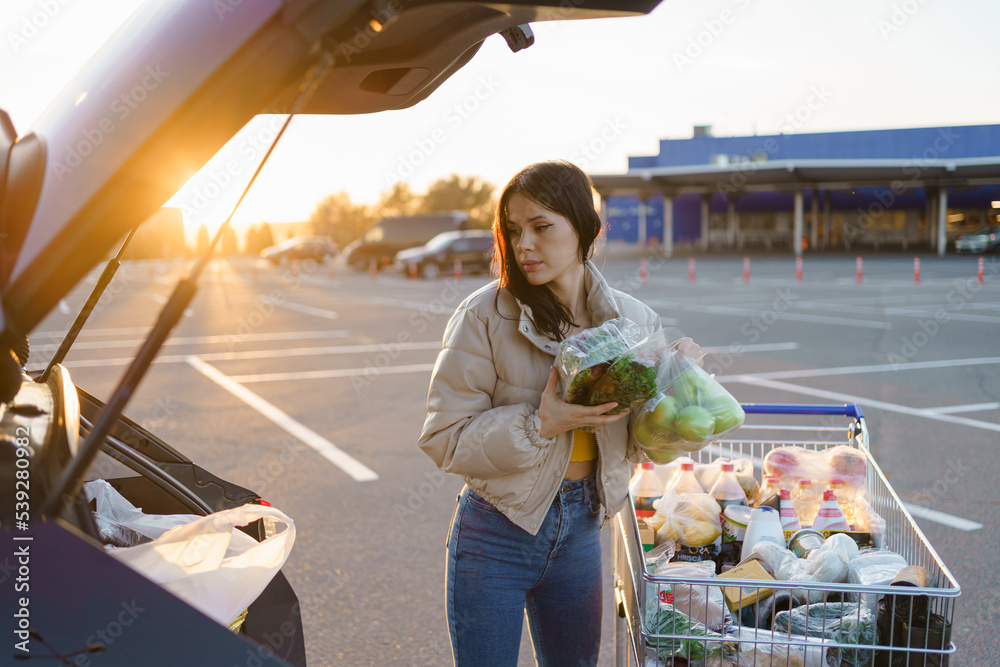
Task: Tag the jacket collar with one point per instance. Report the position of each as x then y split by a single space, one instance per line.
600 304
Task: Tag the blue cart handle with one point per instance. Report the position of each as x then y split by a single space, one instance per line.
847 409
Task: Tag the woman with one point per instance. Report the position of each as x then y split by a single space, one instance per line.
525 536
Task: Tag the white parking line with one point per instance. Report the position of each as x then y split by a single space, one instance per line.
162 300
864 402
323 447
969 407
786 315
204 340
872 368
301 308
941 517
333 373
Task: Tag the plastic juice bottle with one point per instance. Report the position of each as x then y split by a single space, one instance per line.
686 481
727 490
770 487
806 502
830 517
789 519
645 487
845 496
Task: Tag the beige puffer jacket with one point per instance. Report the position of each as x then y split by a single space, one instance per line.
482 406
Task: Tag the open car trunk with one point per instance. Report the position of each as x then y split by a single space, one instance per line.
74 185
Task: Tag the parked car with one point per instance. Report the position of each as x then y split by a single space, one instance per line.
81 180
986 239
317 248
474 249
385 238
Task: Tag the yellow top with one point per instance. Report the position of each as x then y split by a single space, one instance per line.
584 446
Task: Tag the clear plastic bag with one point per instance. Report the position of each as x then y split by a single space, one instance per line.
843 622
689 519
766 648
703 603
793 464
585 359
828 564
689 410
874 567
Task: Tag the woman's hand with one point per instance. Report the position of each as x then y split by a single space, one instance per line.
557 416
689 348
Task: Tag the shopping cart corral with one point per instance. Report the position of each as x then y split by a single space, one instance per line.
672 620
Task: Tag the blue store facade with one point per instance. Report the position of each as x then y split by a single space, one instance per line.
917 187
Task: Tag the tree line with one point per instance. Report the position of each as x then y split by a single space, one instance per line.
336 216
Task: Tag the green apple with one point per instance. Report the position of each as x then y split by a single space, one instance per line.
694 423
663 414
692 387
727 412
643 433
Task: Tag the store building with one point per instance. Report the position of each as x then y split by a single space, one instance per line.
909 188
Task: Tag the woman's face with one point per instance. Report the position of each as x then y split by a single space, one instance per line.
545 243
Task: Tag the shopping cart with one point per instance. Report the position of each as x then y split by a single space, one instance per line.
913 626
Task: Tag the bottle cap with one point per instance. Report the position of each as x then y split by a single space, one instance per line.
648 465
829 495
773 480
727 467
687 466
805 482
785 494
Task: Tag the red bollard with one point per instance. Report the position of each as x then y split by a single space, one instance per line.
372 268
980 271
857 269
746 270
798 269
413 270
643 271
691 269
916 270
458 271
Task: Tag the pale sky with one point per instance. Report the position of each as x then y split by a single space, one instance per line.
594 92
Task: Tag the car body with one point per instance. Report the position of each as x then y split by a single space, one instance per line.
985 239
81 179
385 238
473 248
317 248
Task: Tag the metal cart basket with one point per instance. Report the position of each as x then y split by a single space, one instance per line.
667 620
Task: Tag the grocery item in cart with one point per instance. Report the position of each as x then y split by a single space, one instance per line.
793 464
830 517
789 517
702 603
685 481
874 567
764 526
727 490
806 502
829 563
843 622
686 519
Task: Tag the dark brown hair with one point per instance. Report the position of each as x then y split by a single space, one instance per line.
562 188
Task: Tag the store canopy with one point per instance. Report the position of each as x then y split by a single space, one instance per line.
790 175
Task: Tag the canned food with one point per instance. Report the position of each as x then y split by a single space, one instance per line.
805 541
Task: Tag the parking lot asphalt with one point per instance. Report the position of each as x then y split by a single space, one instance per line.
307 384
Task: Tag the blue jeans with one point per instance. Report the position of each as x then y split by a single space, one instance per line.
498 572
